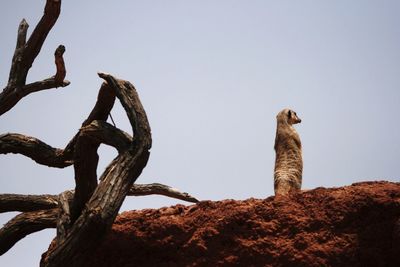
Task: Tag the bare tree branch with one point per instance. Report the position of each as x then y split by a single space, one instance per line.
103 206
160 189
17 58
24 55
39 34
60 204
85 151
16 202
42 85
53 82
82 216
103 132
126 94
25 224
104 104
34 149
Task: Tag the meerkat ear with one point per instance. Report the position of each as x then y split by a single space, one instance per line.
289 114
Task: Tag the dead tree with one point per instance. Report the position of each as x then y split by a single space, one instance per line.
81 216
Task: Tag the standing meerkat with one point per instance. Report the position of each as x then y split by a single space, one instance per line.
288 162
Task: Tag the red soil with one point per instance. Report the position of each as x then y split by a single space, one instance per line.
357 225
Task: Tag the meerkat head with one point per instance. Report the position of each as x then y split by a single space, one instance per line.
288 116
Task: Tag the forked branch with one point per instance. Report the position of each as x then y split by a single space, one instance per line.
24 55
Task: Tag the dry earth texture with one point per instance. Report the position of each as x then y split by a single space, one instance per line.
357 225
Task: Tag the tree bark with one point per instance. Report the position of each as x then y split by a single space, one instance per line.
62 203
35 149
25 224
24 55
15 202
102 208
84 215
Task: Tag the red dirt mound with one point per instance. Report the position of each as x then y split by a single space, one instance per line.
357 225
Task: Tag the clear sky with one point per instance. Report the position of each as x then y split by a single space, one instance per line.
212 75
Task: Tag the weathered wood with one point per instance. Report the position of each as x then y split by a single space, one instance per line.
103 132
102 208
84 215
64 215
85 152
104 103
19 49
25 224
160 189
126 93
61 204
35 149
17 202
23 203
85 167
24 55
39 34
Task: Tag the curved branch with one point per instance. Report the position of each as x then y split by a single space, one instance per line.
85 151
15 90
24 203
16 202
58 211
35 149
53 82
103 132
104 104
129 98
54 157
103 206
160 189
25 224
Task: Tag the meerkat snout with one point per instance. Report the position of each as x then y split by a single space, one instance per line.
288 163
292 117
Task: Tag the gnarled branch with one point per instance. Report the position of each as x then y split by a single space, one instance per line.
103 132
25 224
39 34
24 55
117 179
17 202
34 149
61 203
85 151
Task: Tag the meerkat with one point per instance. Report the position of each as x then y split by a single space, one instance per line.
288 162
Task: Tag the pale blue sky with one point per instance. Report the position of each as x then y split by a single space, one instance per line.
212 75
